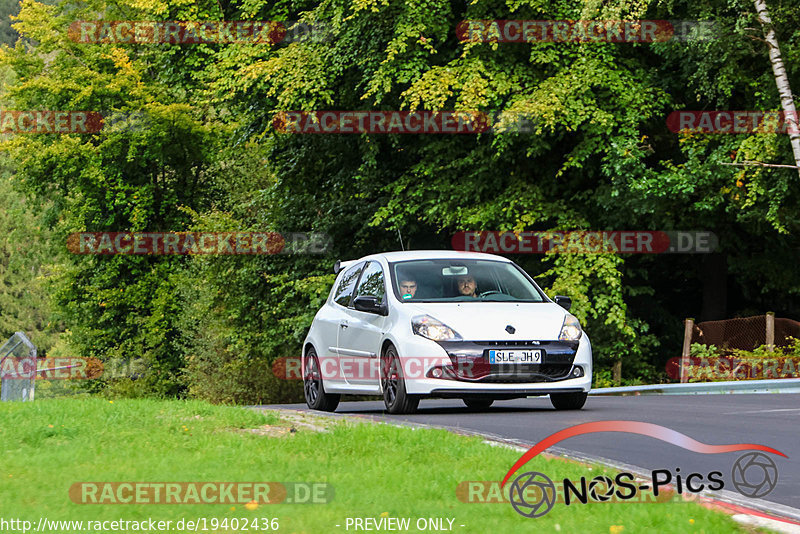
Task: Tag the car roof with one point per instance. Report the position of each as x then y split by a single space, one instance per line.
434 255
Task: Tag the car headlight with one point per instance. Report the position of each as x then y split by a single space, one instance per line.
428 327
570 330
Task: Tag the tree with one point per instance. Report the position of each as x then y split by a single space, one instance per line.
781 80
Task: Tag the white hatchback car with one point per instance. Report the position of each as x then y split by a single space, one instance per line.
468 325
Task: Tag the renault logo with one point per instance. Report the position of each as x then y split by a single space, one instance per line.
510 329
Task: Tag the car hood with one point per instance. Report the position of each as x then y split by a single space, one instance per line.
487 321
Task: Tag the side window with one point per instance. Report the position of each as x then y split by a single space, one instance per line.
346 286
372 282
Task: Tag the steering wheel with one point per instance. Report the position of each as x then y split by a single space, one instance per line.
492 292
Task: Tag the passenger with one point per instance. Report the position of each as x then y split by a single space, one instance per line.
408 288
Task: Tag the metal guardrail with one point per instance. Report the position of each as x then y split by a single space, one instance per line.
780 385
18 389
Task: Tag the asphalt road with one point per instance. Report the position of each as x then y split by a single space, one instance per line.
767 419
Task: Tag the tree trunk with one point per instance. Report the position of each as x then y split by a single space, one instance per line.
781 80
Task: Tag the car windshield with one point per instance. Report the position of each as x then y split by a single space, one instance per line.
462 280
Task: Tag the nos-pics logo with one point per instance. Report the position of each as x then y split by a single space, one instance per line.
533 494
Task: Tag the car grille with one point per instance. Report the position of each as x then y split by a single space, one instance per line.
544 373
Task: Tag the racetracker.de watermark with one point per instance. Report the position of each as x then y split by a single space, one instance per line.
183 32
66 122
26 368
491 492
734 368
584 31
733 122
458 367
204 492
183 243
70 368
402 122
586 242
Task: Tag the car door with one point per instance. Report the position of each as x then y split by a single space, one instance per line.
330 321
360 339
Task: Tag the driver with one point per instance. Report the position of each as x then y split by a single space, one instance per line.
467 287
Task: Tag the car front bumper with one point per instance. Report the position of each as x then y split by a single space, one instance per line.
462 369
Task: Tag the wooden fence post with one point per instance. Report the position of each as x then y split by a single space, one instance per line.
617 372
687 348
771 331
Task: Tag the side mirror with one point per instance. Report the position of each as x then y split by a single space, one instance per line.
564 302
370 305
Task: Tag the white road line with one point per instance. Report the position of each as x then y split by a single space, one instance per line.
765 411
765 522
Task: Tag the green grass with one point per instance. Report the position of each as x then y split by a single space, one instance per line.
374 469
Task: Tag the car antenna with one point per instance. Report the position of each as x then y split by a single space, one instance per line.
401 239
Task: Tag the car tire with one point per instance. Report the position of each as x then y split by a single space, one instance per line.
393 384
478 404
568 401
313 390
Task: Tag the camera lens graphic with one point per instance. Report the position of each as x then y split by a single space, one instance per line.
755 474
537 487
601 488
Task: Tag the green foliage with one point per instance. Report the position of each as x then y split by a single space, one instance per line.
243 320
700 350
26 273
790 350
207 158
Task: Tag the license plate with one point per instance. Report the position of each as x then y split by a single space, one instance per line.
515 356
